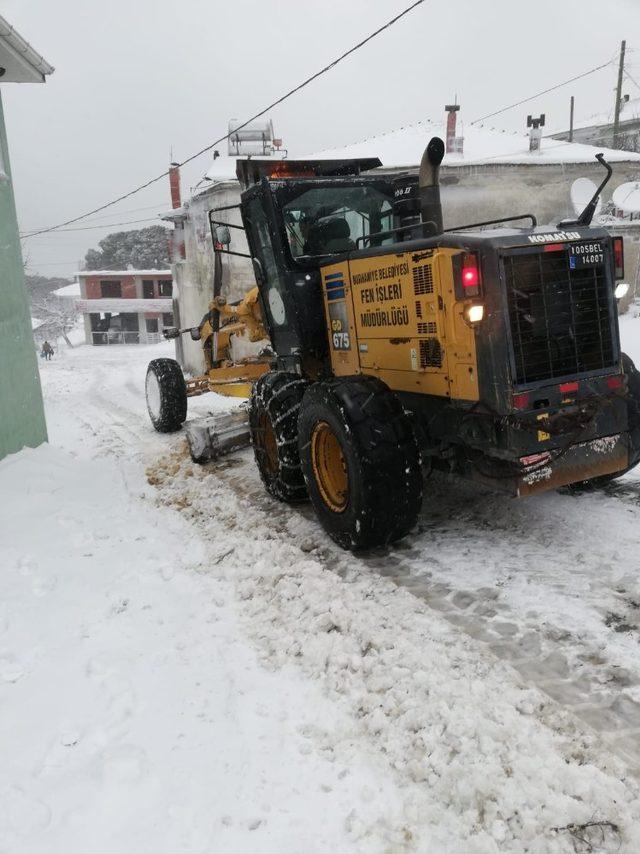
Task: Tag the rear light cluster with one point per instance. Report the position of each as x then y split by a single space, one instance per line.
468 285
470 275
522 400
618 257
616 381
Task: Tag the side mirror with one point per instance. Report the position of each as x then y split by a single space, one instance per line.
222 235
195 333
170 332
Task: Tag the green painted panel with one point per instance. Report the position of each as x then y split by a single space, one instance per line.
21 409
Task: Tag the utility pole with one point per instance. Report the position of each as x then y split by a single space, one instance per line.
616 115
571 119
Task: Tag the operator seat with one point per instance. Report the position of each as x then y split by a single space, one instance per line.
328 236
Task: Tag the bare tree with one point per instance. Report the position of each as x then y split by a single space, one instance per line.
58 315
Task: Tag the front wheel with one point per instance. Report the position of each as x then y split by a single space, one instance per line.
360 461
273 421
166 393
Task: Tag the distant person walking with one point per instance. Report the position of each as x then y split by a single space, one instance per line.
47 350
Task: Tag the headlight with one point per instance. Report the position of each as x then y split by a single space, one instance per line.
622 289
474 313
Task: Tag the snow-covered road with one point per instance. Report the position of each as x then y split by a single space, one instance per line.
190 666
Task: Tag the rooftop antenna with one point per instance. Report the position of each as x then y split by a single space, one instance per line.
586 216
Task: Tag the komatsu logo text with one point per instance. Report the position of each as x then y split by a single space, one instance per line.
555 237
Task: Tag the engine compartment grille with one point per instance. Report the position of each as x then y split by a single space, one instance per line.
430 353
423 280
560 317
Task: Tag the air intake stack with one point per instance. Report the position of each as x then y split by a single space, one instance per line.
428 181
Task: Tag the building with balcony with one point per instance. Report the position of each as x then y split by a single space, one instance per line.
22 419
125 306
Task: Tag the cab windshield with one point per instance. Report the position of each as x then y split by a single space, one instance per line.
326 220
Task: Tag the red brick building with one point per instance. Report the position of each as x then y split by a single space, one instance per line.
125 306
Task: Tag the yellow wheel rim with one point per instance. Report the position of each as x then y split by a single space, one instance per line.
329 467
268 443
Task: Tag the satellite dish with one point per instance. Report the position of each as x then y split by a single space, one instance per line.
626 197
582 191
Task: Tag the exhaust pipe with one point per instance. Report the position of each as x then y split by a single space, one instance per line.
430 205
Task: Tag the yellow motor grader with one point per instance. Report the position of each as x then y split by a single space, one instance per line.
489 350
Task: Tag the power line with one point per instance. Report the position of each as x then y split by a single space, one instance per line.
626 73
157 206
262 112
544 92
105 225
55 263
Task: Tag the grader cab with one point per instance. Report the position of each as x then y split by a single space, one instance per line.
395 347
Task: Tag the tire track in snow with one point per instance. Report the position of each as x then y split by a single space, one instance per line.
570 669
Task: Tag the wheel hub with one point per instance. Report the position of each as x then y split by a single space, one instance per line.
152 389
329 467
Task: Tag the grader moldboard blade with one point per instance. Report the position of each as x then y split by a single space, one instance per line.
215 435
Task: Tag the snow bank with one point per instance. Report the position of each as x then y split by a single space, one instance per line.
133 716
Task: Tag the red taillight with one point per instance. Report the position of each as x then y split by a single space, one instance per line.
614 382
555 247
521 401
567 388
470 275
618 257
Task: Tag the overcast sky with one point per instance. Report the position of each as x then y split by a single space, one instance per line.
138 79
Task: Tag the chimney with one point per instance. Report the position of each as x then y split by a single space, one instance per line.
451 110
535 134
177 249
174 185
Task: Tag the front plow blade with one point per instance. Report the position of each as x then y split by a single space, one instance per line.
215 435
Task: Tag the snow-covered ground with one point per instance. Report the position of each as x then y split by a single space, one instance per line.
188 666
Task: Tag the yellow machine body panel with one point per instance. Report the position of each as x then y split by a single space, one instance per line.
396 317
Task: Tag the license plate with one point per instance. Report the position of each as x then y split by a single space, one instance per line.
586 254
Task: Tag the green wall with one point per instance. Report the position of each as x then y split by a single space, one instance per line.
21 409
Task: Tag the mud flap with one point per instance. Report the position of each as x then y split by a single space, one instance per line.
581 462
215 435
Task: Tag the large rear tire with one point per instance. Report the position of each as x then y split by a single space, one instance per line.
273 421
360 461
633 386
166 393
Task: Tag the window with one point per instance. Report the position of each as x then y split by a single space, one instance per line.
152 324
147 288
110 289
326 220
165 287
167 319
260 229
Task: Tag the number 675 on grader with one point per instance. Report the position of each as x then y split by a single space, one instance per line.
397 347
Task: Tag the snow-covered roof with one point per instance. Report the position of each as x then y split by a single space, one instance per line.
402 148
85 273
21 63
72 290
629 111
223 168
